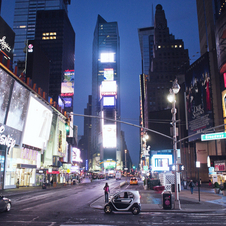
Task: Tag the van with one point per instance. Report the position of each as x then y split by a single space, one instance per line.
118 176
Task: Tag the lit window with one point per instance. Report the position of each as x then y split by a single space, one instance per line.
175 46
43 34
172 46
47 33
180 46
159 47
23 26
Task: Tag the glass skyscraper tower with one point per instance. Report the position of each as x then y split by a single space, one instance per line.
25 19
105 134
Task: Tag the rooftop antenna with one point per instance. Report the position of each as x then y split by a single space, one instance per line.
152 16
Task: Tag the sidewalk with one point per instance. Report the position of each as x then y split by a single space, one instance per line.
151 201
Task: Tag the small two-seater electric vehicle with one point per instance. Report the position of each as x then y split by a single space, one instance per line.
127 200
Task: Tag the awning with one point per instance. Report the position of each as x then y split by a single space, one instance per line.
53 172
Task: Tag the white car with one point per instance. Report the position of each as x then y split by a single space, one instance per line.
127 200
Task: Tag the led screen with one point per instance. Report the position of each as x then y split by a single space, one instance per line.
67 102
108 88
5 88
109 74
108 101
67 86
76 155
107 57
38 124
161 162
109 136
18 107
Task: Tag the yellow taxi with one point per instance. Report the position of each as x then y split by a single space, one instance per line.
133 180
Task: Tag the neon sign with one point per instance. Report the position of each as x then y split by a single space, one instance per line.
5 45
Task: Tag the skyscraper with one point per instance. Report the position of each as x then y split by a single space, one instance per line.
56 37
105 134
170 60
25 19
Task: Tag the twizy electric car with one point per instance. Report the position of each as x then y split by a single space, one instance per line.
5 204
126 200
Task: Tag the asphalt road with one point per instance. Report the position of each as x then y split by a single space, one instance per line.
71 206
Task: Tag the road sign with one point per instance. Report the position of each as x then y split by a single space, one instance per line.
213 136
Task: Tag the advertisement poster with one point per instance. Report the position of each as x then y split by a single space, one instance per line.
6 82
198 97
18 107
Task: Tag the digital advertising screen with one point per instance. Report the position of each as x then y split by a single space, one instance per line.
198 97
7 37
38 124
18 107
108 101
76 155
161 162
108 88
6 82
107 57
67 86
109 74
109 136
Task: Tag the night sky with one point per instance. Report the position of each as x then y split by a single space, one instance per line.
130 14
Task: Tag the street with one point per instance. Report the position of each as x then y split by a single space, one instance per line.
71 205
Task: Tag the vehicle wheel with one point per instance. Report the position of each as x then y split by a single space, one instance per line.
8 207
135 210
108 209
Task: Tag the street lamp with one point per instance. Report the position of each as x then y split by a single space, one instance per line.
171 97
126 165
198 166
145 153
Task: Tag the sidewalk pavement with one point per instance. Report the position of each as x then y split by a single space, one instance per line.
151 201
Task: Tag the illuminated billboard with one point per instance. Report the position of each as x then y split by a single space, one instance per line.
7 37
76 155
108 88
38 124
107 57
109 136
108 101
109 74
198 97
161 162
6 82
18 107
67 86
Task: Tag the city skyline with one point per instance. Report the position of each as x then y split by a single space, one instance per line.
83 17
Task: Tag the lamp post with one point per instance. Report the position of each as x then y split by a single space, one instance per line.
145 152
171 97
126 165
198 166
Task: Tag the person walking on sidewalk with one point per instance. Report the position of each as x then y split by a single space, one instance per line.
106 191
191 185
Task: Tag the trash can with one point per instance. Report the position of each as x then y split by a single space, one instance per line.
167 200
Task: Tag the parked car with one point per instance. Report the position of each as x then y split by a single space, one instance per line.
5 204
133 180
124 201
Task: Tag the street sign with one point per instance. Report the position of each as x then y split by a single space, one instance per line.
213 136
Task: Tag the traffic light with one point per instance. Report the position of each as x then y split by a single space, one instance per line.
67 127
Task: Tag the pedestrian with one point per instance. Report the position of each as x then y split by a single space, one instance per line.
106 191
191 185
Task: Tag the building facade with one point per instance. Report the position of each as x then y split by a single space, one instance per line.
105 138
